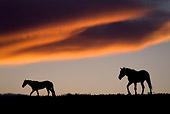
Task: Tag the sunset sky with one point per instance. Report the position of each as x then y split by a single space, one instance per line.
80 45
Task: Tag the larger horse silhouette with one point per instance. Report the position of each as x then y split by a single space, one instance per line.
136 77
36 85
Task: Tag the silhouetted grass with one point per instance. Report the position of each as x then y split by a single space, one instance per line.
87 102
81 98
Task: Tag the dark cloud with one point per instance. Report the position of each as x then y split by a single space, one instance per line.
126 32
20 14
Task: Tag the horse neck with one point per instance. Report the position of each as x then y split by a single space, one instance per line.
130 72
30 83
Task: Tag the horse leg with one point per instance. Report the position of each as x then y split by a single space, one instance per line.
150 91
52 91
32 92
128 88
143 87
37 92
135 88
48 91
149 84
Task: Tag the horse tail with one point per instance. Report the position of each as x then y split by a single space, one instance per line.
148 80
52 90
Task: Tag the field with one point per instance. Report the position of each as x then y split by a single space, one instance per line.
86 99
85 103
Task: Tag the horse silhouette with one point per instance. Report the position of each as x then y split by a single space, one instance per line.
136 77
36 85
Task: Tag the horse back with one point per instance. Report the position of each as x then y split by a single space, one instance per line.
48 83
143 73
40 85
138 76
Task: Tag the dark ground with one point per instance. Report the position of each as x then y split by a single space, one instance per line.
90 103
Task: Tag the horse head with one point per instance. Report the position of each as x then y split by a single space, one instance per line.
25 83
122 73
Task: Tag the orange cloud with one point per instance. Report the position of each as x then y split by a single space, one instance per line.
76 51
92 31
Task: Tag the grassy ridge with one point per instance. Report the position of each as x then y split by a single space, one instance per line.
85 103
83 98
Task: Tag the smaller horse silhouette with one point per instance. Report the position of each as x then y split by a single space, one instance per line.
136 77
36 85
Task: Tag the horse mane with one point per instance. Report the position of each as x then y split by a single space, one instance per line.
131 69
31 81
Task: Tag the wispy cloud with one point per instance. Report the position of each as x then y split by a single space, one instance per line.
37 30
